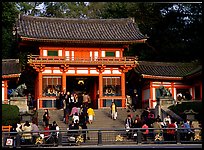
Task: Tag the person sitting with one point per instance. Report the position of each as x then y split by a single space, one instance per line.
46 128
72 130
128 125
145 132
27 135
54 133
36 133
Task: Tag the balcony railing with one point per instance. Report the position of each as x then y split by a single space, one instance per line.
36 59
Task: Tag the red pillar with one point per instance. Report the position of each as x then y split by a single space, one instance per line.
123 88
100 90
64 81
40 88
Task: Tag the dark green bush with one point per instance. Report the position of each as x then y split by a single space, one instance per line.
180 108
10 114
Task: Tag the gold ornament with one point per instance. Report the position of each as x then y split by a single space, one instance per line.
39 140
79 139
197 137
119 138
158 137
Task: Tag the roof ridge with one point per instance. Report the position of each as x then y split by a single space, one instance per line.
165 63
76 19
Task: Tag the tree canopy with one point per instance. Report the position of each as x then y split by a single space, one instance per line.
174 29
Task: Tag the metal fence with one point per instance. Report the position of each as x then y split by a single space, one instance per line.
82 137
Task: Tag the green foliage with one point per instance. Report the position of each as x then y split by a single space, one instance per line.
180 108
9 13
174 30
29 8
10 114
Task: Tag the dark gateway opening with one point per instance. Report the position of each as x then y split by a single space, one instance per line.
84 84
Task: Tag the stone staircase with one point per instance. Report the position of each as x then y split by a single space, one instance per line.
55 115
102 118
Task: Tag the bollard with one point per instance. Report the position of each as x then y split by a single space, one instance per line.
99 137
18 141
60 139
139 137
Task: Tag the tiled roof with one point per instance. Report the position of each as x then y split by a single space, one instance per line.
10 67
166 69
111 30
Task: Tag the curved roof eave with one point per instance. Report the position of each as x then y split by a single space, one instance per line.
82 41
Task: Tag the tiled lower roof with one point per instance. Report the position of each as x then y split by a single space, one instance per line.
47 28
166 69
10 68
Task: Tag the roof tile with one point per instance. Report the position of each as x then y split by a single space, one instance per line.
169 69
79 29
10 66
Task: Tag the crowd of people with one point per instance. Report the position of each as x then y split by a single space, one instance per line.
148 121
77 113
78 116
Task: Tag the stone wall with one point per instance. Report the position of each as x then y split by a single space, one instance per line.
21 102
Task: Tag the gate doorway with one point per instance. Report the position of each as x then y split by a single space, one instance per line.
84 84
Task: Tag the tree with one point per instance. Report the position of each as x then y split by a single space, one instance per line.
174 30
9 15
30 8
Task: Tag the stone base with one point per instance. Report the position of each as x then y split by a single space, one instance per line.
21 102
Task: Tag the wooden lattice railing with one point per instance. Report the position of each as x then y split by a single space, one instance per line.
82 61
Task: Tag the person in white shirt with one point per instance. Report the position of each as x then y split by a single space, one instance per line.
167 118
75 117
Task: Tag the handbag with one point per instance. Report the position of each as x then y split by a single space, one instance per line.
127 127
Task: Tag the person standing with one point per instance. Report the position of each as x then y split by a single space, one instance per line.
46 117
29 101
113 111
75 117
135 100
61 97
144 116
91 115
58 101
86 99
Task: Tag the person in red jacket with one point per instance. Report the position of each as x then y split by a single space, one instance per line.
46 128
145 132
171 132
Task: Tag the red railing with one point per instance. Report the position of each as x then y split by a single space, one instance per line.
82 61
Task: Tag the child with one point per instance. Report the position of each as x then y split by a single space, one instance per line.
91 115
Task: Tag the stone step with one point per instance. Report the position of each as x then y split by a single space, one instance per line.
101 120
